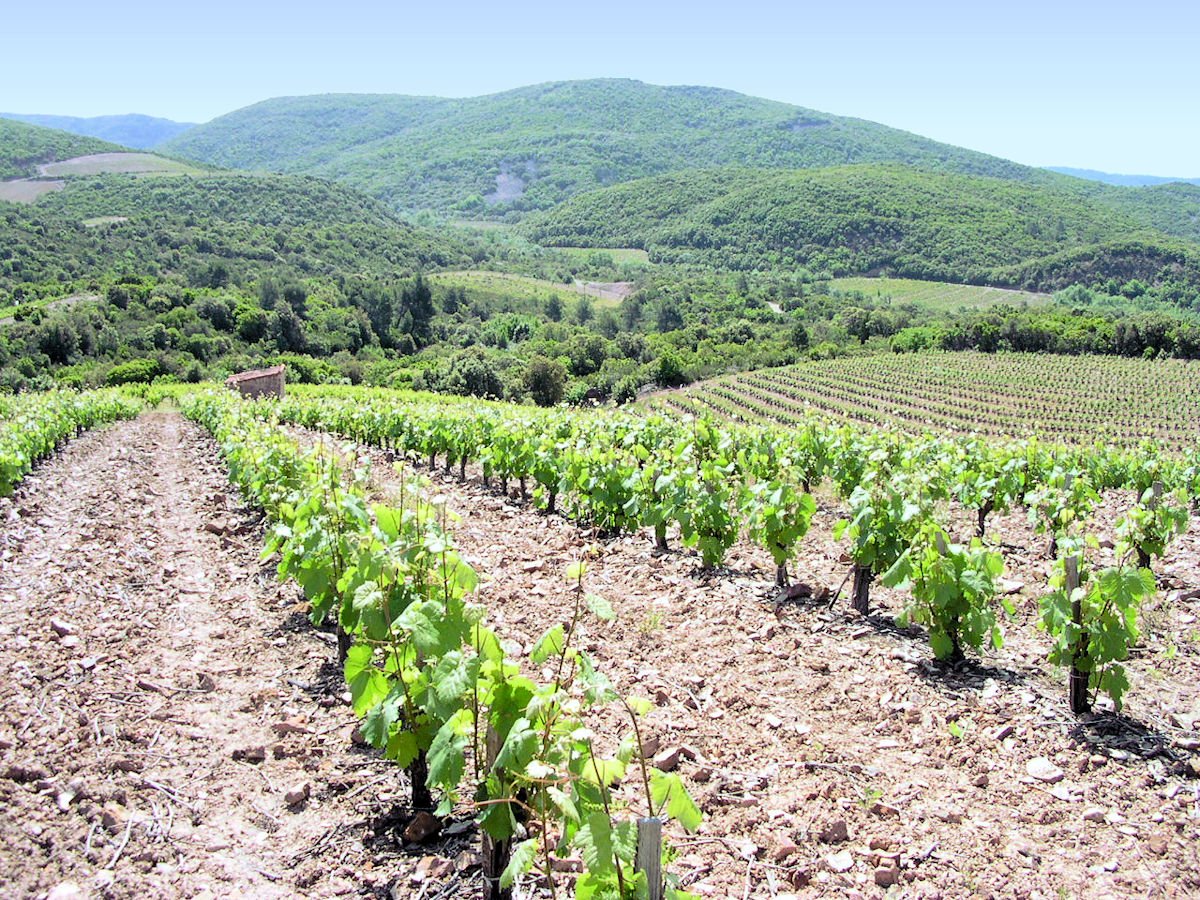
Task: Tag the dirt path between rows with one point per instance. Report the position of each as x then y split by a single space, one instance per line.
831 755
169 725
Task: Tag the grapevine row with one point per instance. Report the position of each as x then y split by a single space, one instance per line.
712 482
432 681
38 425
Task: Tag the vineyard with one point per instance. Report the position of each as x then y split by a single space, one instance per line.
1074 400
635 655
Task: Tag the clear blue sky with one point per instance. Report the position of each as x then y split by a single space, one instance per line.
1103 85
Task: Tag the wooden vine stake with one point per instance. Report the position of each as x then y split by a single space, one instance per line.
1156 492
1077 684
495 853
649 855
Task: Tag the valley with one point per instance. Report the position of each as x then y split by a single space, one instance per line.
824 491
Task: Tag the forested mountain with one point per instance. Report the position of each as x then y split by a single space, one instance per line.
133 130
858 219
533 147
24 147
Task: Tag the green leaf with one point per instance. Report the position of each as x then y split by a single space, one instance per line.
600 607
518 748
368 686
390 521
597 688
402 748
550 645
453 678
378 722
668 791
640 705
603 772
447 753
939 641
520 861
595 843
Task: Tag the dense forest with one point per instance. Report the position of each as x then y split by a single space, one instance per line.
547 142
503 155
875 219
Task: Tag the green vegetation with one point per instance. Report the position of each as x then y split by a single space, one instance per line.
210 231
24 147
121 163
36 426
1072 399
932 295
431 678
712 481
533 147
871 219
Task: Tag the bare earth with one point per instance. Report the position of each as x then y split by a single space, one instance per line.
101 163
146 658
147 663
819 744
26 190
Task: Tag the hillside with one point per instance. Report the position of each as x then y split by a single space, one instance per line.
133 130
533 147
241 226
1119 180
847 220
24 147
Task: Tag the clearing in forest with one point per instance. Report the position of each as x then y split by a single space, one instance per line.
119 163
936 295
26 190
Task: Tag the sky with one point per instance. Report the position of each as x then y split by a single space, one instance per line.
1102 85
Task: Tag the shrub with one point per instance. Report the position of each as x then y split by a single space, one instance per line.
136 371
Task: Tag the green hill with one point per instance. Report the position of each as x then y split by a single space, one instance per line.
852 220
133 130
505 154
533 147
219 227
25 147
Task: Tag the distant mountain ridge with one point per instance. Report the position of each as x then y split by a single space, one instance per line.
1120 180
132 130
534 147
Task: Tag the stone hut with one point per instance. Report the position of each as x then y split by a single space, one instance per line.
258 382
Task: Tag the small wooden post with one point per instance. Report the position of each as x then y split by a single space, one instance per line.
495 853
1077 684
649 855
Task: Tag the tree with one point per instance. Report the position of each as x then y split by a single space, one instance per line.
799 336
554 308
545 380
59 340
417 301
668 317
584 310
288 330
252 325
668 372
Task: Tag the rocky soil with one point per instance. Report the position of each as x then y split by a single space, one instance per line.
171 726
